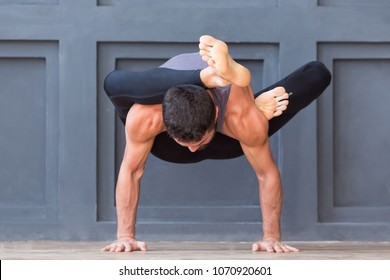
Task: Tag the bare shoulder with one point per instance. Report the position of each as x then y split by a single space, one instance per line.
144 122
244 121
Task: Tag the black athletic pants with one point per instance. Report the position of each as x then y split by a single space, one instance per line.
125 88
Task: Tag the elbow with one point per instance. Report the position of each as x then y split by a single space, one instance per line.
135 172
269 178
261 178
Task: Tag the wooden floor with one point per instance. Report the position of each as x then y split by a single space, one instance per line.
59 250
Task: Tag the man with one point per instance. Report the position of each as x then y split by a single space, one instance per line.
208 110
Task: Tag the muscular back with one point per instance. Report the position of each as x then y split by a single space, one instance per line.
243 120
144 122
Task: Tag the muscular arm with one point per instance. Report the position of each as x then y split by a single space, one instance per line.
140 133
248 125
270 188
128 185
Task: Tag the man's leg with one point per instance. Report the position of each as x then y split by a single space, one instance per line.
304 86
216 53
272 102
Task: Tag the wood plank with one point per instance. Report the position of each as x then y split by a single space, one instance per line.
58 250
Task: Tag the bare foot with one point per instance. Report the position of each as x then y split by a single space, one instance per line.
215 52
273 102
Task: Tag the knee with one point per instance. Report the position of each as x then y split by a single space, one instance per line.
320 71
110 84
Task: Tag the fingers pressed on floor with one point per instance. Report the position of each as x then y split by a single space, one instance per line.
255 247
120 248
270 249
285 249
278 249
128 248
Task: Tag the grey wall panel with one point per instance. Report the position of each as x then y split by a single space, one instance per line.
380 3
361 132
353 135
29 150
179 3
29 2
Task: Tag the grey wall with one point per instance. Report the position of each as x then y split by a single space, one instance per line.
61 143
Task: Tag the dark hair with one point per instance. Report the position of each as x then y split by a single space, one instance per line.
188 112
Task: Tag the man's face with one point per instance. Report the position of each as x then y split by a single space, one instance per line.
201 144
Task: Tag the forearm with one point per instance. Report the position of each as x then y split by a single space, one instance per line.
127 196
271 206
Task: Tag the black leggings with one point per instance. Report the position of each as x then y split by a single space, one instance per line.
125 88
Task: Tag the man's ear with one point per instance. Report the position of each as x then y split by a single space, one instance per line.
216 113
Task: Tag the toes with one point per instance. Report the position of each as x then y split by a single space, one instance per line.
203 53
281 97
283 103
282 107
285 96
209 61
205 58
207 40
204 47
280 90
278 113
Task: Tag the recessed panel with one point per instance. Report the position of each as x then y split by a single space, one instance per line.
29 131
361 132
184 4
29 2
23 131
353 3
353 132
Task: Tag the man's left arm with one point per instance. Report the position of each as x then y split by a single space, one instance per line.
259 155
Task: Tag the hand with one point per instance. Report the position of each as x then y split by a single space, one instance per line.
272 245
125 245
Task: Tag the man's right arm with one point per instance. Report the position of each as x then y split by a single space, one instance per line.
139 141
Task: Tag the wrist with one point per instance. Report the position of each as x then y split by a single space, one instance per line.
125 237
271 237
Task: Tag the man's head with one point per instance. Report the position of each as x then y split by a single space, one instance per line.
189 115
